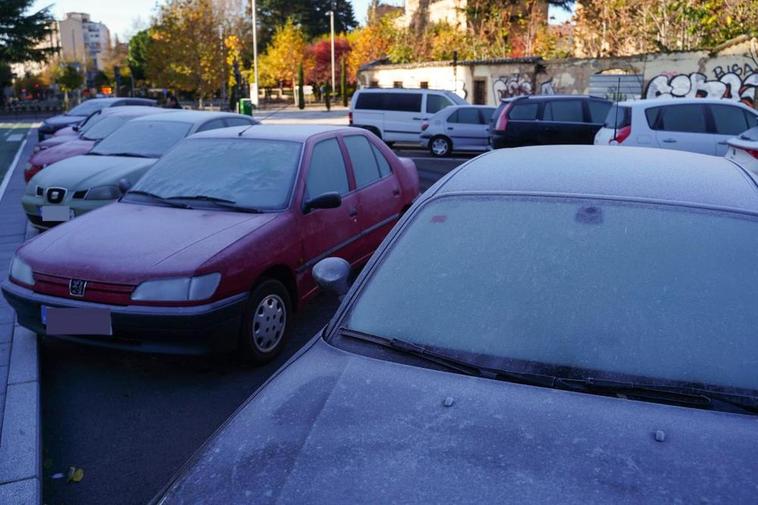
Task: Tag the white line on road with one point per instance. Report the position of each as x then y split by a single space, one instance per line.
12 168
16 137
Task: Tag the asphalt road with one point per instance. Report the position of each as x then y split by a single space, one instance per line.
130 420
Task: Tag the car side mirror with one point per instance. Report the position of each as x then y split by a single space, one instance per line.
330 200
332 275
124 185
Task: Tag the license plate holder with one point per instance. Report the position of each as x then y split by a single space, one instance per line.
76 321
56 213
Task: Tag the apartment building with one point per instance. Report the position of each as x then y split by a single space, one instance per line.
84 40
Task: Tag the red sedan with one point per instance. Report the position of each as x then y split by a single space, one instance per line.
212 248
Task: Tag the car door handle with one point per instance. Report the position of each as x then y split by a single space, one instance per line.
395 192
353 212
420 118
449 127
669 141
722 143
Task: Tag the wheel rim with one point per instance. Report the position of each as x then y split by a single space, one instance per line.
269 322
439 147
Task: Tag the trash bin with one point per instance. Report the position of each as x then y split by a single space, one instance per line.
245 106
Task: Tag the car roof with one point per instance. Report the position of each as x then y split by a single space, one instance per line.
626 173
131 110
188 116
656 102
556 97
294 132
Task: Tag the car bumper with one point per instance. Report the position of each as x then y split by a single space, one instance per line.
198 329
32 204
499 141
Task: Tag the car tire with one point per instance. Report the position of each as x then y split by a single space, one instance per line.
440 146
266 322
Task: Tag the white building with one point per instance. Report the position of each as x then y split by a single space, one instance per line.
437 11
84 40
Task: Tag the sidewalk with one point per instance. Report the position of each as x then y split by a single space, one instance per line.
310 115
20 434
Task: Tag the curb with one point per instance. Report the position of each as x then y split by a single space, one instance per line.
21 436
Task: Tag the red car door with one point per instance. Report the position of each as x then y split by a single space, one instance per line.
328 232
378 190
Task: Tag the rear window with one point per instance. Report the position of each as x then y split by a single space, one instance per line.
569 111
728 120
523 111
688 118
403 102
618 116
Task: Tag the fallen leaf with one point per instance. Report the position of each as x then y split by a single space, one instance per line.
75 474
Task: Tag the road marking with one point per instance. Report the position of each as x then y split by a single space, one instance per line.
16 137
11 169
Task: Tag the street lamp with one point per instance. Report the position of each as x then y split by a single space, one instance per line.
254 85
331 28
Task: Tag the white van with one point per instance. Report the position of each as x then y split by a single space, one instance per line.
396 114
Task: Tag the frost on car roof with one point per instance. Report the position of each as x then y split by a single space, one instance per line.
610 171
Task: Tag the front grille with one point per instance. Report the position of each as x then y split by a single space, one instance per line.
56 195
103 292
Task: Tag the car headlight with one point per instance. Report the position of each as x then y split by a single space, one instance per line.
182 289
21 271
103 193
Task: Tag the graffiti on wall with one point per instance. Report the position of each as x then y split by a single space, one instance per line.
508 86
735 82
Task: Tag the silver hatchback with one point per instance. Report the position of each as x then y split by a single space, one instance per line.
457 128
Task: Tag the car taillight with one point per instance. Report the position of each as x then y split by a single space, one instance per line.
424 126
752 152
31 171
350 117
502 121
622 134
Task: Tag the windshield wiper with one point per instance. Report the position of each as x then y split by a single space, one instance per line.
681 395
126 155
158 198
450 362
220 202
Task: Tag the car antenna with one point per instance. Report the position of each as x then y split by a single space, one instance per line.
262 119
616 112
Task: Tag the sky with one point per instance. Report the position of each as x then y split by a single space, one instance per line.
124 17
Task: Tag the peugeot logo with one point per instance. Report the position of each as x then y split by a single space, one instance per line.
76 287
55 195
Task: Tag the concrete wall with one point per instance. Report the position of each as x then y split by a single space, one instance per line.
730 71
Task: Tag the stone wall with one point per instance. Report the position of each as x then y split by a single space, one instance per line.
729 71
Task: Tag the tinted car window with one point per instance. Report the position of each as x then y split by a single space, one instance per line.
365 167
466 115
435 103
618 116
237 121
523 111
563 110
212 125
487 114
403 102
370 101
598 110
327 170
251 172
384 166
752 119
573 289
728 120
143 138
679 118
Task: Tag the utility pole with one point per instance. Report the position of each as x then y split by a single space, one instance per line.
331 28
254 85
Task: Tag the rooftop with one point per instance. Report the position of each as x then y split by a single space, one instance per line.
630 173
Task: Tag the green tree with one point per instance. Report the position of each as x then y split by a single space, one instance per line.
138 51
21 33
312 16
69 78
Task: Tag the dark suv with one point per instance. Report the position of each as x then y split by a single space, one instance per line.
548 119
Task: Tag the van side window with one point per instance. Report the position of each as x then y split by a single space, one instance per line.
402 102
569 111
523 111
327 171
435 103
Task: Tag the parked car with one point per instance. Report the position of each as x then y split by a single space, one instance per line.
457 127
554 362
109 120
396 114
71 132
76 185
212 248
743 149
547 119
79 113
698 125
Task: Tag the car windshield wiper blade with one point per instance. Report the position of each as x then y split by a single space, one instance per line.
158 198
221 202
682 395
127 155
451 362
